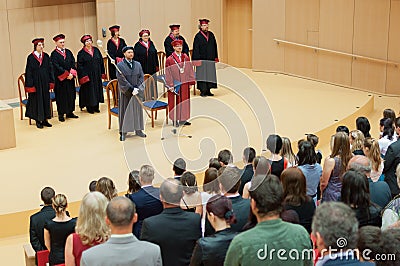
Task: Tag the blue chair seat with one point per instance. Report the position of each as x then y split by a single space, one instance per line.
114 110
52 96
77 89
105 83
155 104
25 101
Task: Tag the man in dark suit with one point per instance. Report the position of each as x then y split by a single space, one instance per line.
37 220
392 159
179 168
247 173
147 199
174 230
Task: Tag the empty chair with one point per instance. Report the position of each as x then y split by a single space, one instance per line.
112 102
23 96
151 103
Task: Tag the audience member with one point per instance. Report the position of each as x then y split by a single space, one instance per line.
371 150
356 138
287 152
123 248
212 250
334 167
369 242
335 228
147 199
179 168
191 200
392 159
174 230
390 246
391 214
278 163
213 162
92 185
261 166
343 129
364 126
379 191
389 113
295 196
314 141
388 136
210 189
106 186
57 230
247 173
253 246
38 220
91 228
355 193
225 158
133 183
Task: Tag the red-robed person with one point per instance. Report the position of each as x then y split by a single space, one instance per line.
64 73
39 81
179 70
114 49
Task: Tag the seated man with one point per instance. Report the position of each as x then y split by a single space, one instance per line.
123 248
174 230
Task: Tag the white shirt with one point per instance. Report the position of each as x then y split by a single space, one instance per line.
37 54
384 143
61 50
146 43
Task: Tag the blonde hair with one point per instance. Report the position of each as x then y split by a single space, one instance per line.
358 140
91 225
59 203
106 186
374 152
287 151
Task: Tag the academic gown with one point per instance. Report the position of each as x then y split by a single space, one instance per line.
129 109
90 73
168 46
64 88
114 50
205 49
173 75
39 80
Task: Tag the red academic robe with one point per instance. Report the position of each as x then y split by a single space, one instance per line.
173 66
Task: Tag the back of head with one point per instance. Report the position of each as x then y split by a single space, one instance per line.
374 153
221 207
106 186
267 192
146 174
287 150
274 143
341 148
210 183
335 221
357 138
343 129
225 157
91 225
213 162
397 122
294 186
92 185
313 139
189 183
248 154
230 179
179 166
120 211
171 191
306 154
47 194
261 166
133 181
363 125
59 203
355 189
369 240
388 128
390 246
360 163
389 113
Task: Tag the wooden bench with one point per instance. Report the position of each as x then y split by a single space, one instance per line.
29 255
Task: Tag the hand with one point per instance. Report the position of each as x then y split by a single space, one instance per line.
135 91
171 89
70 76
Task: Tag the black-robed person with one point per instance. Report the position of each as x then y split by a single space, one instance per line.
114 48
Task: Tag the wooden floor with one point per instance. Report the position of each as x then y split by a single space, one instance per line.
71 154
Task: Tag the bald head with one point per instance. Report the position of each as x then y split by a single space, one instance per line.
360 163
171 191
120 211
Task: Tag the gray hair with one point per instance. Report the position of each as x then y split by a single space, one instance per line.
146 174
361 164
120 211
335 221
171 191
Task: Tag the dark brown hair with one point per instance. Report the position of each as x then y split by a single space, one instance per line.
221 207
210 183
294 186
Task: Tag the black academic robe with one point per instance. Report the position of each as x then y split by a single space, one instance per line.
205 49
39 80
90 72
114 50
168 46
63 65
146 56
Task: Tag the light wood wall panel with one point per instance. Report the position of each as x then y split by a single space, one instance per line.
393 73
46 25
3 4
371 25
105 11
89 17
71 18
153 18
13 4
127 15
6 70
268 14
336 33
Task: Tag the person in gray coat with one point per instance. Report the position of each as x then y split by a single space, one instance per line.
130 84
123 248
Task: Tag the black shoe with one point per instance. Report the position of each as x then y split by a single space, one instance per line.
47 124
175 124
122 136
90 110
97 110
203 94
209 93
72 115
61 118
140 133
185 123
39 124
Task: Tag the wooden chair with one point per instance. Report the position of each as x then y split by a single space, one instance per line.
112 103
23 96
194 69
150 103
105 81
161 72
52 100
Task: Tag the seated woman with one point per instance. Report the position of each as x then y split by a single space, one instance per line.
295 196
355 193
106 186
91 228
191 200
57 230
212 250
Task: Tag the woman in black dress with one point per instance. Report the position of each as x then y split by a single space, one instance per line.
114 49
57 230
39 81
90 72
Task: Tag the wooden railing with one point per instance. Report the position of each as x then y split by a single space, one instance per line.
354 56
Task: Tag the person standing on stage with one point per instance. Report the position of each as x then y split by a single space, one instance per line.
39 81
64 73
130 83
90 73
146 54
205 49
179 70
174 35
114 49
